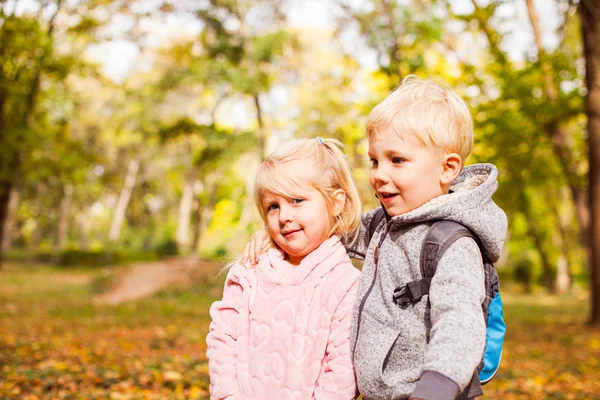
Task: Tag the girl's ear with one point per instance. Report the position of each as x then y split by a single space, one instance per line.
339 200
451 167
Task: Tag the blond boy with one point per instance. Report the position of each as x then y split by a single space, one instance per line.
419 138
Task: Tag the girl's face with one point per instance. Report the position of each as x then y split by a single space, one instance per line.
298 225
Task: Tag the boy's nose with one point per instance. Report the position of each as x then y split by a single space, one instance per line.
380 175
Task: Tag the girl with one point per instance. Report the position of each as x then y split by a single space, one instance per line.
282 330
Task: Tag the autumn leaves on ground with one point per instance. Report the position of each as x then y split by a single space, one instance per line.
56 343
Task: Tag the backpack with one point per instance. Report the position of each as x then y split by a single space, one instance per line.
440 236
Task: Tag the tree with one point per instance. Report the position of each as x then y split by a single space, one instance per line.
589 11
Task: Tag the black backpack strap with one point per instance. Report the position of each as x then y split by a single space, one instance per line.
440 236
375 221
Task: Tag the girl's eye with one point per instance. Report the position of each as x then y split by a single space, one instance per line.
373 162
297 201
272 207
398 160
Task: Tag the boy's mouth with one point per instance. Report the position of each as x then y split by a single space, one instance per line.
384 196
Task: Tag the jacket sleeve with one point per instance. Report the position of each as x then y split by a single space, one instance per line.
223 334
457 324
357 246
337 380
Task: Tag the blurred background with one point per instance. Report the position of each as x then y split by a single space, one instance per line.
131 130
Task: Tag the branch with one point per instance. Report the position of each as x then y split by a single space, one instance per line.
493 41
549 86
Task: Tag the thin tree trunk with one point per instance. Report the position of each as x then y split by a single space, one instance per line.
563 267
205 211
248 210
10 220
262 139
5 188
36 235
63 216
590 28
83 223
123 202
182 237
548 275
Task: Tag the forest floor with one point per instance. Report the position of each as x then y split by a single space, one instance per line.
140 280
56 342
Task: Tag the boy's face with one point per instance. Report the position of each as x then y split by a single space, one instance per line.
404 173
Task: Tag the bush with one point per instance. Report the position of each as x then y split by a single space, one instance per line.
90 258
165 248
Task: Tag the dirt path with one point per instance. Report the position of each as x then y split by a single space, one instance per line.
144 279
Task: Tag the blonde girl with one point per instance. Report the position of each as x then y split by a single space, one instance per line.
282 329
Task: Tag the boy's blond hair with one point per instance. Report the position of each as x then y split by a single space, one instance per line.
431 111
330 173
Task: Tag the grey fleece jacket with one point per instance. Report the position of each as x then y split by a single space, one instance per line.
429 350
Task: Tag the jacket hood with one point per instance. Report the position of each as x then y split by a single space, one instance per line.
470 204
315 265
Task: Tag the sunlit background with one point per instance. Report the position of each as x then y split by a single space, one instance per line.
130 133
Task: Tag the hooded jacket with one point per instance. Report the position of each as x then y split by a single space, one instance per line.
283 331
430 349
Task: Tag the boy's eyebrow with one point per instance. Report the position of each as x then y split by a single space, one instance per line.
389 153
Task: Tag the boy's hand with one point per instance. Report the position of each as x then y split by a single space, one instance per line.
259 243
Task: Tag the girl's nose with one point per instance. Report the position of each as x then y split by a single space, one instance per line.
285 214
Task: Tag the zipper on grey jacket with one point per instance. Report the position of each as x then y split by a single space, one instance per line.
368 292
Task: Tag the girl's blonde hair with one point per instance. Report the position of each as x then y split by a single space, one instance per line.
431 111
330 172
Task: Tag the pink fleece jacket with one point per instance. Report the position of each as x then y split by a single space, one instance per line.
283 331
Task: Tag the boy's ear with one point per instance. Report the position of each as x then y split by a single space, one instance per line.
451 167
339 199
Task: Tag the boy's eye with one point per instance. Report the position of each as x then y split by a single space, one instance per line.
297 201
373 162
398 160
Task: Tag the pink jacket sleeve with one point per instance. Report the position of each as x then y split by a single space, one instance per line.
338 379
223 334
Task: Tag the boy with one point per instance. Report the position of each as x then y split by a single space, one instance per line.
419 138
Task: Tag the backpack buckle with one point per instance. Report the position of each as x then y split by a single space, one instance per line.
412 292
402 296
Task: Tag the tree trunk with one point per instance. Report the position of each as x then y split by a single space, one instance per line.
590 28
548 274
63 216
205 211
36 235
83 223
123 202
564 276
5 189
10 219
248 210
182 237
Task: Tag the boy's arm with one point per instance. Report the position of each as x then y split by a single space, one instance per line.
458 326
338 381
358 248
223 335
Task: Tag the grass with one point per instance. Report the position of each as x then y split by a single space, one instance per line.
56 344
